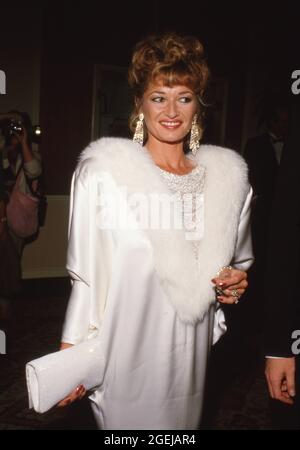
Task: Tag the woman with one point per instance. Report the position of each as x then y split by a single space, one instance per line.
143 283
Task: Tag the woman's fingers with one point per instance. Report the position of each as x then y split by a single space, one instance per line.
66 401
231 288
226 286
227 300
231 297
77 394
232 292
231 283
234 274
242 285
82 394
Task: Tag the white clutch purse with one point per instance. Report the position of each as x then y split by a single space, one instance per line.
53 377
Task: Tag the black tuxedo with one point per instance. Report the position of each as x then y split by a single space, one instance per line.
283 258
263 173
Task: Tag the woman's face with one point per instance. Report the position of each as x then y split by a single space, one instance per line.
14 142
168 112
13 145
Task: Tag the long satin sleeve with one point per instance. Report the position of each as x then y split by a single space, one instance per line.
89 261
76 324
243 258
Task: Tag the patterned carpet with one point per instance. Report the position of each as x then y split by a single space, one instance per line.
236 398
32 330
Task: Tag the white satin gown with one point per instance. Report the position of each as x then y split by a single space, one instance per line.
155 364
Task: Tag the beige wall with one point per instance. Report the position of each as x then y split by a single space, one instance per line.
20 59
46 257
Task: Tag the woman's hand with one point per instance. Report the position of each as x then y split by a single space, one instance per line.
231 285
22 136
26 149
78 393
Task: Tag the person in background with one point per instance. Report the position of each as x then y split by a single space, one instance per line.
263 154
3 239
18 161
282 316
18 156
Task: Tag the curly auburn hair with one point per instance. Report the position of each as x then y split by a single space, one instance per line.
172 59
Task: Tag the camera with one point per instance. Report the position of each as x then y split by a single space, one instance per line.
15 126
11 126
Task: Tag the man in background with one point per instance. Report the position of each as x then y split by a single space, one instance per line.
282 294
263 154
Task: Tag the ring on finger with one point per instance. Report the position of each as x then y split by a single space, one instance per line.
236 295
219 291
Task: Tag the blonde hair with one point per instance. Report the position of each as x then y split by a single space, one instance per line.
174 59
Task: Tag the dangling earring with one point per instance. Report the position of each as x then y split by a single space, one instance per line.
139 130
195 136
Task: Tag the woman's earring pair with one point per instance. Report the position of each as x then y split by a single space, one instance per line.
194 139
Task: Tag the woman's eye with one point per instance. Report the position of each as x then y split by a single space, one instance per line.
157 99
185 99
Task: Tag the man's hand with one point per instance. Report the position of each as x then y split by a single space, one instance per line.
280 375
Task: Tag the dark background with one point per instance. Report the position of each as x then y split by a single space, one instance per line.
239 38
252 45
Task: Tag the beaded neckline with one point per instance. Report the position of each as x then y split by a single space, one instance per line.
187 189
187 183
195 169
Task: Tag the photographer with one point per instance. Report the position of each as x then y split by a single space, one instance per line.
9 260
19 161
